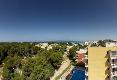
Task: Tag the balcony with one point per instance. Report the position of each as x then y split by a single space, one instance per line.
114 65
114 73
86 73
86 78
86 56
113 57
86 65
113 54
114 78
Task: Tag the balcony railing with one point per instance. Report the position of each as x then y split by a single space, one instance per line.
86 78
114 73
113 57
86 56
113 65
86 73
86 64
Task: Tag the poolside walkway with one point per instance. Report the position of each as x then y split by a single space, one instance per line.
67 72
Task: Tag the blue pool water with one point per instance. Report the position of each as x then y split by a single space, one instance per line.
78 74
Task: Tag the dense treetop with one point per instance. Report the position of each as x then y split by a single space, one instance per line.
25 61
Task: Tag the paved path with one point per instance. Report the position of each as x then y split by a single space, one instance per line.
64 65
1 69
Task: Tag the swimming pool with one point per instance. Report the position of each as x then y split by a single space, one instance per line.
78 74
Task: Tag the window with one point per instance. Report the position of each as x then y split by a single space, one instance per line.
86 77
114 78
113 70
114 53
114 61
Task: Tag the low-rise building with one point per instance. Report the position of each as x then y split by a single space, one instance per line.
111 44
80 55
86 43
68 47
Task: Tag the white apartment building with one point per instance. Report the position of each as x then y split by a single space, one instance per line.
111 44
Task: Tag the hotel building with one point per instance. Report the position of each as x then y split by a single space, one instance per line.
101 63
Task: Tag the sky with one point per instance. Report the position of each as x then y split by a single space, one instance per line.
46 20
